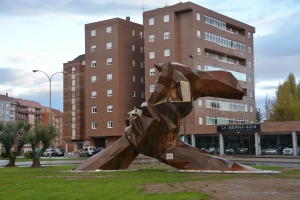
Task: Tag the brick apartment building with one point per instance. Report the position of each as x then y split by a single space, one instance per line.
112 86
117 74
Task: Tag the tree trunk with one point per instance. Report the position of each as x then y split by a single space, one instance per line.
35 162
12 160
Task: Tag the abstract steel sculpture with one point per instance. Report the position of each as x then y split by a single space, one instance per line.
154 132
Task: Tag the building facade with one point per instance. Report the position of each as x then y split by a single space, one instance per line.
29 110
8 108
74 104
216 42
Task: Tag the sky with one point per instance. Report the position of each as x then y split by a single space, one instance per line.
44 34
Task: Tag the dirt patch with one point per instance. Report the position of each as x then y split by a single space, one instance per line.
242 189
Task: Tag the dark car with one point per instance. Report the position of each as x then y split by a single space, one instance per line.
98 150
54 153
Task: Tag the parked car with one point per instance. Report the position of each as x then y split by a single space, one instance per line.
28 154
288 151
87 151
229 150
54 153
98 150
243 150
272 149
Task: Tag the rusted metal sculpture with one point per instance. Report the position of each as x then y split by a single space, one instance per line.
154 132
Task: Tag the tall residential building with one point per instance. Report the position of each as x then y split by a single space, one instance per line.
74 100
8 108
114 78
29 110
57 121
216 42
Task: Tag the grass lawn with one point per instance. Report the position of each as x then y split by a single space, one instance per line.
55 182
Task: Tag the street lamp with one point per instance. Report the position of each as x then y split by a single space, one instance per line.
50 114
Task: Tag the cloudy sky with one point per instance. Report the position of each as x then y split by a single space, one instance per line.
43 34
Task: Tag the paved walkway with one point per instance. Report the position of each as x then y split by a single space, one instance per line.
253 160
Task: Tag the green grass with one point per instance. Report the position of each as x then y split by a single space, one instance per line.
56 182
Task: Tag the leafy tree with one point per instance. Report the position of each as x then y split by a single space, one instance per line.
259 115
286 104
40 133
13 135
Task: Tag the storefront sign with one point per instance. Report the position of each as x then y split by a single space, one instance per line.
238 128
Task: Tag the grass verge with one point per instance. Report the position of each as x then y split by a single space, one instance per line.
56 182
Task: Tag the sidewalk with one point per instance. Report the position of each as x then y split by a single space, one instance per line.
243 159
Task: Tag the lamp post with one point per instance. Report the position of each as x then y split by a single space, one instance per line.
50 113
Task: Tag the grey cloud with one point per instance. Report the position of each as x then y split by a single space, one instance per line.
79 7
266 87
282 42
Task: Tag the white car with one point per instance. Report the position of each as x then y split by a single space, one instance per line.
87 151
288 151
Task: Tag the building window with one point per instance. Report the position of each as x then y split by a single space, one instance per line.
133 47
133 93
109 45
109 77
94 79
199 67
93 33
109 124
142 79
133 78
198 16
142 65
249 49
94 94
133 63
152 71
93 48
108 29
249 35
73 94
94 125
152 87
132 32
251 109
200 103
73 82
167 52
141 49
109 93
93 63
151 38
250 79
151 21
109 108
250 64
166 18
166 35
142 94
94 109
151 54
198 34
251 94
141 34
73 70
198 51
200 120
73 107
109 61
